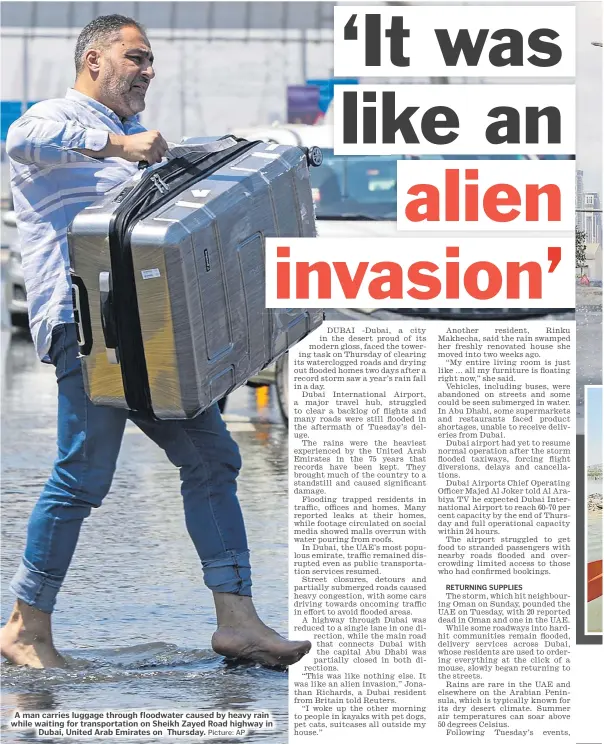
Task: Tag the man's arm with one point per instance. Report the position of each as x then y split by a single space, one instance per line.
148 146
34 140
47 142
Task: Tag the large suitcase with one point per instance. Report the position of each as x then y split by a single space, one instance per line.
168 276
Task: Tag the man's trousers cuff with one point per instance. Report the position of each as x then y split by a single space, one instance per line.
231 573
34 588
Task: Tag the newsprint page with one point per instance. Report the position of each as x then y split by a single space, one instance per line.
444 559
414 490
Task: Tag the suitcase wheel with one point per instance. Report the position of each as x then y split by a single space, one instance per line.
314 156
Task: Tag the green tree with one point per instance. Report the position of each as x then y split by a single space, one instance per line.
580 248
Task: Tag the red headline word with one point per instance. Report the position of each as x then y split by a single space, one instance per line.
420 280
461 199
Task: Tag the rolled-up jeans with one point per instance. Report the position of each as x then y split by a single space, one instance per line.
89 439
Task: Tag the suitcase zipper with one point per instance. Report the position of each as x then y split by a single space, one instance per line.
159 183
169 192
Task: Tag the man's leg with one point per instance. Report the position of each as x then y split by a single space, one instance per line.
89 439
209 462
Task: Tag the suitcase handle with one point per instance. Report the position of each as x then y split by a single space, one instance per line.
108 317
81 314
208 146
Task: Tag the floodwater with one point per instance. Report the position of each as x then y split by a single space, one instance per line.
134 616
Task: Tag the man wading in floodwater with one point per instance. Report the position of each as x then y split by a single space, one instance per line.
65 153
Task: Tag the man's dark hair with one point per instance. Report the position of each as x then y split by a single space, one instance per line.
102 31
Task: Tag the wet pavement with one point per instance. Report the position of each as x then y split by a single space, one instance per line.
134 616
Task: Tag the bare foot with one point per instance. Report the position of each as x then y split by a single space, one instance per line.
242 635
261 645
26 639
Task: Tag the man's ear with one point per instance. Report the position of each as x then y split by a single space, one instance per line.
92 60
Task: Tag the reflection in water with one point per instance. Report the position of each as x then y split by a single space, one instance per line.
134 616
34 700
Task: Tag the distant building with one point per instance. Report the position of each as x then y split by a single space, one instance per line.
593 261
593 221
579 216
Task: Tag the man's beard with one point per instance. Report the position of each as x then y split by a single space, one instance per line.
118 92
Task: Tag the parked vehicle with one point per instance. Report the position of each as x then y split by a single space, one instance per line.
15 285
